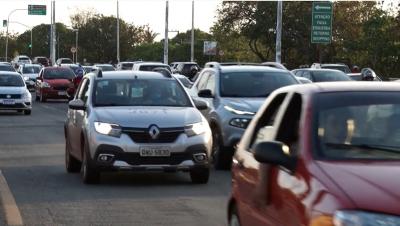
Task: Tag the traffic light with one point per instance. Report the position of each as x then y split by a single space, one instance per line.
30 45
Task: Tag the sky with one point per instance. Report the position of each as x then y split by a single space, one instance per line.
138 12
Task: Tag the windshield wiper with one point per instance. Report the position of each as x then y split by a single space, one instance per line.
384 148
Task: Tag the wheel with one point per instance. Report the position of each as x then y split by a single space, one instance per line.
233 217
90 175
200 176
221 156
72 165
42 98
27 112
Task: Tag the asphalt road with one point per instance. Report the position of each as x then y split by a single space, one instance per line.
32 162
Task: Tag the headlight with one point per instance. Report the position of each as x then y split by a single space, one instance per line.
238 112
240 122
108 129
196 129
356 218
45 85
26 78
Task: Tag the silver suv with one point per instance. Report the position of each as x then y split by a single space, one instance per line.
234 93
133 120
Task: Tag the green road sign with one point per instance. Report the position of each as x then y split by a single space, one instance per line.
321 31
36 9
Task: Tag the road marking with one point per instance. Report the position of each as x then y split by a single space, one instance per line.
10 208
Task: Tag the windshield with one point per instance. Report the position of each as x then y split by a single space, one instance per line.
11 80
340 68
59 73
330 76
151 67
23 59
106 68
135 92
5 67
254 84
358 125
30 70
127 66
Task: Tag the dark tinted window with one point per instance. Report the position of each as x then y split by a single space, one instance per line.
59 73
136 92
127 66
106 68
23 58
330 76
253 84
66 61
11 80
30 70
358 125
343 68
5 67
151 67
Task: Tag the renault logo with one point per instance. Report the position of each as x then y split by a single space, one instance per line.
8 96
154 131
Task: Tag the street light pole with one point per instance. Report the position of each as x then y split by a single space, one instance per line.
8 21
192 39
118 56
279 32
166 34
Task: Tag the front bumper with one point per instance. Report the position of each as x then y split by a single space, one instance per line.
54 94
19 105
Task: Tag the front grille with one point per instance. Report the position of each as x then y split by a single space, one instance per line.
136 159
142 135
12 96
60 88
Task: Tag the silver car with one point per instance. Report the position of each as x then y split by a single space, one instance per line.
13 93
133 120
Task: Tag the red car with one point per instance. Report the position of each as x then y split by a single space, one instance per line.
53 83
325 154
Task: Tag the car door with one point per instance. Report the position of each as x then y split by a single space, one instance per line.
251 197
76 118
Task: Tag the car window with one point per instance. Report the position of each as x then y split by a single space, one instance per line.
11 80
330 75
343 68
357 125
265 125
30 70
211 83
84 94
298 73
203 80
151 67
140 92
253 83
307 75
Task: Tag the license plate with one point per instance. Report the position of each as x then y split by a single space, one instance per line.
154 151
62 93
8 102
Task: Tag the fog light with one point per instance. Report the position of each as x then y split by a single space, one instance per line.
200 157
105 157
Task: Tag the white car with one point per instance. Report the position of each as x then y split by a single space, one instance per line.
14 94
150 66
29 73
19 60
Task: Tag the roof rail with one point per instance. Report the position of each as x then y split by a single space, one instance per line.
165 72
99 73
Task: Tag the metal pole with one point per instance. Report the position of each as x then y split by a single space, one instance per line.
279 32
76 46
166 34
192 40
31 41
53 38
118 56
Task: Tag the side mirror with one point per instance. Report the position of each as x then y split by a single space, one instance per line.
275 153
205 93
77 105
200 104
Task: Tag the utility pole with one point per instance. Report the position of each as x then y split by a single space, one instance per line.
166 34
279 32
53 33
76 45
118 56
192 39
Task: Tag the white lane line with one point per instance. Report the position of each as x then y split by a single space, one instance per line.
10 208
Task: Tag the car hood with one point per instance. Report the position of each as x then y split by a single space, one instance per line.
143 117
244 104
58 82
12 90
371 186
31 76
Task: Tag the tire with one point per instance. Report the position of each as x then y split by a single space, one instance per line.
72 165
89 173
200 176
27 112
221 156
234 217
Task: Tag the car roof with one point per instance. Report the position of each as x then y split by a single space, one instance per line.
130 75
243 68
343 86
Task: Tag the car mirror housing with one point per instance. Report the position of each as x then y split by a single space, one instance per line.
275 153
200 104
77 105
205 93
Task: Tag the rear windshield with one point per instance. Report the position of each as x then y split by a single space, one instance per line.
106 68
30 70
5 67
151 67
59 73
254 84
66 61
330 76
11 80
136 92
127 66
340 68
